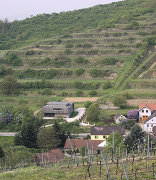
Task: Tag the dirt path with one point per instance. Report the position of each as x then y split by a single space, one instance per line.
37 111
136 102
80 99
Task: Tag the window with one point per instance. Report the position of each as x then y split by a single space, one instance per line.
151 125
96 137
146 111
142 110
147 125
104 137
57 109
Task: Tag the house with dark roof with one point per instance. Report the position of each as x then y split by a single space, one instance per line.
150 123
102 132
51 156
53 109
146 110
79 143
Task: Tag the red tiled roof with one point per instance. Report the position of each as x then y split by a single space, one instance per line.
151 106
78 143
51 156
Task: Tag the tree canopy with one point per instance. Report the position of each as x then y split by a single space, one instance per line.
9 85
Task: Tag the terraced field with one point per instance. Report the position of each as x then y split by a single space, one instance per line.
81 63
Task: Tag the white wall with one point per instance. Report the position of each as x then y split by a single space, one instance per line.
148 125
141 114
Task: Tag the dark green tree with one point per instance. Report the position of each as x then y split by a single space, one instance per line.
14 60
9 85
1 152
51 138
29 134
118 141
93 113
136 136
87 104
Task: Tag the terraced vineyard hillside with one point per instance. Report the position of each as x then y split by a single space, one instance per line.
86 63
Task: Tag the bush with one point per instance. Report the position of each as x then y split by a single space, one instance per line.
107 85
79 93
108 61
79 72
87 104
92 93
47 91
81 60
14 60
95 72
120 101
9 85
68 45
30 53
133 114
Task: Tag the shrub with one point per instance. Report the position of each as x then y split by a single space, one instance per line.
92 93
14 60
95 72
133 114
79 72
81 60
107 85
87 104
79 93
68 51
108 61
47 91
68 45
30 53
120 101
93 52
59 41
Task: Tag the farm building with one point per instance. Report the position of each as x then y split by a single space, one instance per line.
146 110
53 109
150 123
102 132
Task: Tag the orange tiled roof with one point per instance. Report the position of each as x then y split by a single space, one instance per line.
151 106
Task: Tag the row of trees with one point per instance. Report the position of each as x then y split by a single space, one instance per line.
32 136
10 86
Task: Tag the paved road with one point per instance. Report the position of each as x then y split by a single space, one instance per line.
81 113
7 133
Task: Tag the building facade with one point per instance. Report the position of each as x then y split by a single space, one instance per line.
150 123
146 110
53 109
102 132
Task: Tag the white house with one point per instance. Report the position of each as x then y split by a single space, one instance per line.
150 123
146 110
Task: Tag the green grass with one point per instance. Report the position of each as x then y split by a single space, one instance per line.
6 141
77 173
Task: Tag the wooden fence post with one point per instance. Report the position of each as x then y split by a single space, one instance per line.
100 168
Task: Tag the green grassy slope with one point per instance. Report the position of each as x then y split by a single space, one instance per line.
81 50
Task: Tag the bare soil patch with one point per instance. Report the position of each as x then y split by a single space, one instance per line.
80 99
136 102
